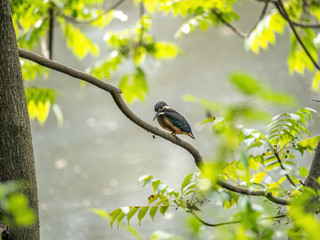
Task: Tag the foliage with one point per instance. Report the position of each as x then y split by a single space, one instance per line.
39 101
162 198
134 45
14 205
265 160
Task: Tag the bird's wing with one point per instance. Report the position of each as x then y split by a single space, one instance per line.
177 120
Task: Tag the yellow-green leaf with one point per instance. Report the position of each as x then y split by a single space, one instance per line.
139 55
258 178
316 81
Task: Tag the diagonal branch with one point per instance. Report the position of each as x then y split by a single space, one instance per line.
283 12
116 94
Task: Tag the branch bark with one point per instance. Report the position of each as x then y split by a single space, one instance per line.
116 94
312 180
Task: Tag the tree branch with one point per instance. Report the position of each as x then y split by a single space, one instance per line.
116 94
246 191
236 30
90 20
232 222
51 29
283 168
283 12
263 13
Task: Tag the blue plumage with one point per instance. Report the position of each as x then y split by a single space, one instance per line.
171 120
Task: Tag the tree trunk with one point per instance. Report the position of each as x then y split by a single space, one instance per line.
16 151
312 180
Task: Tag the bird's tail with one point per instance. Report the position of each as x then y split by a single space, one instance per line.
191 135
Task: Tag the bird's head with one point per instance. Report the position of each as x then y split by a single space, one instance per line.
159 107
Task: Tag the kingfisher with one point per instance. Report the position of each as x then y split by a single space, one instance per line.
171 120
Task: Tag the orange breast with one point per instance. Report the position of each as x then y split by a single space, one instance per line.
166 124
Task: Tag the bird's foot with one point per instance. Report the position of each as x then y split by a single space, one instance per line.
175 135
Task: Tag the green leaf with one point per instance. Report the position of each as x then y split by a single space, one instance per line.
245 83
211 119
103 213
31 70
132 212
78 41
308 144
153 212
145 178
114 215
134 86
150 5
39 101
120 216
316 81
244 159
18 207
153 198
164 50
155 185
298 59
133 232
139 55
264 33
258 178
142 213
163 209
186 181
303 172
278 98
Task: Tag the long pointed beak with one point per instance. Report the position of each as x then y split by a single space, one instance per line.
155 116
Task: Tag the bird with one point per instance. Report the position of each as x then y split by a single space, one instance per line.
171 120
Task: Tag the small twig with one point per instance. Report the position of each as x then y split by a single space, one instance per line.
232 222
283 168
315 100
90 20
263 13
51 29
305 25
141 13
283 12
234 29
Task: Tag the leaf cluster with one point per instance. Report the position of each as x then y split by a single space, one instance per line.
39 101
161 200
133 45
